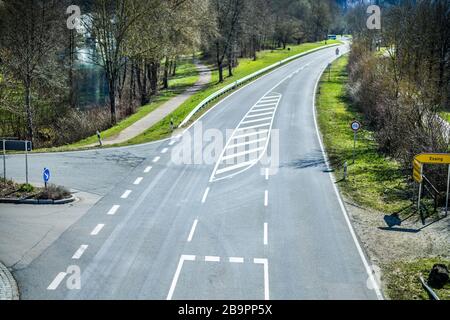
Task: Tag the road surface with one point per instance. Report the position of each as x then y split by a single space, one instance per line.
232 228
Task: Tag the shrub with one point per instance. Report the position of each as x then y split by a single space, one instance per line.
26 188
54 192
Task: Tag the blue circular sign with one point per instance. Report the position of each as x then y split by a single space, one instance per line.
46 175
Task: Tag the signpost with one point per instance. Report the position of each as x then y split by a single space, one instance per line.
46 176
430 158
356 126
16 145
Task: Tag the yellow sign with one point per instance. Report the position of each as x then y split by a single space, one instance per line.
417 171
433 158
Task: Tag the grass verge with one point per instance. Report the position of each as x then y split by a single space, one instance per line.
402 282
373 180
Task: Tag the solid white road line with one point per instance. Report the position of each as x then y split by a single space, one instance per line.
164 150
156 159
253 127
341 204
80 251
256 120
246 143
243 153
191 234
236 260
266 198
259 110
205 195
256 133
237 166
212 259
113 210
259 115
266 231
126 194
55 283
147 170
177 274
138 180
97 229
266 276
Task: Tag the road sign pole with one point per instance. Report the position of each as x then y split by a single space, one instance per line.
420 190
4 160
26 161
354 147
446 195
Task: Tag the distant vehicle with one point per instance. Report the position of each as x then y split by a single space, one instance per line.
332 37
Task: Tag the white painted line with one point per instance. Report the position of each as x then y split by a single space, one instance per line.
138 180
97 229
148 169
341 204
266 198
236 260
243 153
262 105
164 150
259 110
126 194
171 143
267 173
266 276
237 166
256 133
246 143
266 231
156 159
80 251
257 120
205 195
191 234
253 127
259 115
55 283
268 99
113 210
177 274
212 259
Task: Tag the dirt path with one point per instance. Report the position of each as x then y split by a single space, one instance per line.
160 113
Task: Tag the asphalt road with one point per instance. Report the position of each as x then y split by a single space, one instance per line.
232 228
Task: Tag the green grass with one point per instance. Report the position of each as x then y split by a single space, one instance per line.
246 66
373 180
187 75
401 279
445 115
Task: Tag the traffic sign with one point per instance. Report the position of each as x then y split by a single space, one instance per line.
433 158
46 175
16 145
356 126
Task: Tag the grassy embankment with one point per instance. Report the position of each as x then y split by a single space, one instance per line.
374 181
162 129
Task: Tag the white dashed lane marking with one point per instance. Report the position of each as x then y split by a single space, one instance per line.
80 252
138 180
164 150
205 195
55 283
191 234
113 210
156 159
97 229
147 170
126 194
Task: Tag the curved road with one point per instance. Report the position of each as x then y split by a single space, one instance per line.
228 226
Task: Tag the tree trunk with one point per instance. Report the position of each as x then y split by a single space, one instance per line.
112 100
174 72
28 109
166 74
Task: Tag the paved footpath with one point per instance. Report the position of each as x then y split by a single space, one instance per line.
8 285
160 113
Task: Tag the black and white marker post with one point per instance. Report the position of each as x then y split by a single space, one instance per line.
356 126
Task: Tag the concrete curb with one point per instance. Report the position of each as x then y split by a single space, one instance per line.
8 285
38 201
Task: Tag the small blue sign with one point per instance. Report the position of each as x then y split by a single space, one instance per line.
46 175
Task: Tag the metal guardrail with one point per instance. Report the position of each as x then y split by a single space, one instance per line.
430 291
246 79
